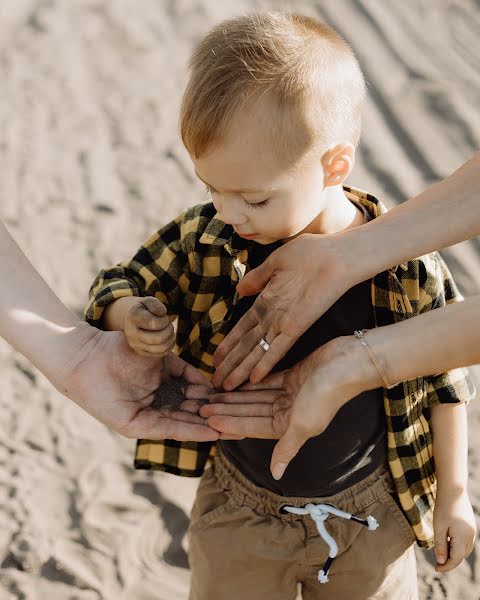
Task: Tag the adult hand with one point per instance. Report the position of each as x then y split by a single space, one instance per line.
116 386
298 283
292 405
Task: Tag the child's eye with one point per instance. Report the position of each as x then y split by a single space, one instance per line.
253 205
257 204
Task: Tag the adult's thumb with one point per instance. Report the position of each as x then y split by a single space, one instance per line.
285 450
256 279
154 306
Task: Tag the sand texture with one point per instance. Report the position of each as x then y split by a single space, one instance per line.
91 164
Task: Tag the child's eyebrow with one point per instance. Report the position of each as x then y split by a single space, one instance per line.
244 191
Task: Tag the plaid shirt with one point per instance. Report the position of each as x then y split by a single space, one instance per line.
193 264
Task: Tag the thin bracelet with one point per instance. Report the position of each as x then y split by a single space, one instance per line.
359 334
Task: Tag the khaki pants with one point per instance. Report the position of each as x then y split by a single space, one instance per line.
241 547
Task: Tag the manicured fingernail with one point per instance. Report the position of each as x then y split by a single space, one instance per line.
441 559
278 470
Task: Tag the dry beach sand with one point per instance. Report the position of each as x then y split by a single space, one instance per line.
90 164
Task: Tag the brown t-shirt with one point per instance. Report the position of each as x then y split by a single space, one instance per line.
354 444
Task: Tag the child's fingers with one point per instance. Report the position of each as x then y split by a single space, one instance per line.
158 350
143 318
156 338
455 556
154 306
441 545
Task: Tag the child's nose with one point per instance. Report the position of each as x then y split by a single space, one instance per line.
231 211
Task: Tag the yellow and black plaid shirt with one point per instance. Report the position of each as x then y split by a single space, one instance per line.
193 264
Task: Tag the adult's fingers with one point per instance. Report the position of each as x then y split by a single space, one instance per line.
185 432
153 426
279 346
274 381
198 391
184 415
256 427
236 374
177 367
231 436
244 348
248 321
191 406
285 450
193 376
256 279
236 410
262 396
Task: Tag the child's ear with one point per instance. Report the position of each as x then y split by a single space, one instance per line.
338 163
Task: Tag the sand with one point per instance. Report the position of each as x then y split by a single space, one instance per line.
90 165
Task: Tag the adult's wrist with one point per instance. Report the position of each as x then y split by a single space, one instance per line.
359 370
66 344
349 365
352 248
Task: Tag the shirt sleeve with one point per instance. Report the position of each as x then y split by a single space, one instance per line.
439 289
159 268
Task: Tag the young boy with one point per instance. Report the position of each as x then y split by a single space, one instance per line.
271 117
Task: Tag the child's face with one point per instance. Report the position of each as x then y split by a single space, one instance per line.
253 190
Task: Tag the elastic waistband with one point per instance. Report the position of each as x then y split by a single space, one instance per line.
355 498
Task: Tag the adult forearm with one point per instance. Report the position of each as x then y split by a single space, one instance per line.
418 346
32 318
444 214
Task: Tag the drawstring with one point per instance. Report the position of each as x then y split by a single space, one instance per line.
319 513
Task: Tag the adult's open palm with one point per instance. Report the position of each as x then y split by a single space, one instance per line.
116 386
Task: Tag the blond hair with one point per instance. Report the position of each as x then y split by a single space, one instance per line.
304 66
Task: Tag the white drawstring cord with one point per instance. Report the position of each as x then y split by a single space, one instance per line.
319 513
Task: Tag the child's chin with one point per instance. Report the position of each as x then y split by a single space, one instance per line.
264 241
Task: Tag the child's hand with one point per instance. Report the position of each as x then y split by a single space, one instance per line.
454 529
148 329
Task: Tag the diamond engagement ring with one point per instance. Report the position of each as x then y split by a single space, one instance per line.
264 344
